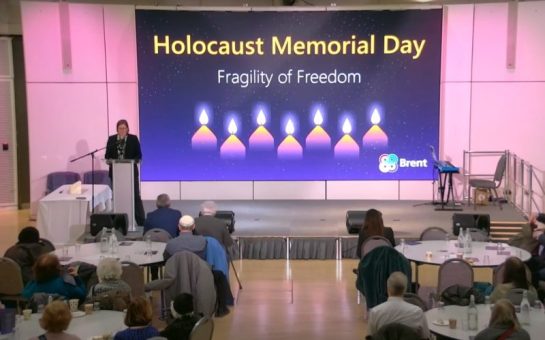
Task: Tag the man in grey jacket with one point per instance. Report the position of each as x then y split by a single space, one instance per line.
186 240
208 225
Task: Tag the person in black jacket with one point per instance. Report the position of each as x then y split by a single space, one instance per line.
373 225
123 145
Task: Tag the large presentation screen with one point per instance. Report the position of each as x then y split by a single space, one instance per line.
323 95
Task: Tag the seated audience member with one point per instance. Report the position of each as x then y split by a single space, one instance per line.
55 320
138 321
208 225
109 272
163 217
184 318
50 279
514 276
28 248
186 240
503 324
396 310
374 226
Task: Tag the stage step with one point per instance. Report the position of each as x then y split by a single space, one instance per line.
504 230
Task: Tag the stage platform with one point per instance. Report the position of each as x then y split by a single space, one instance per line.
317 228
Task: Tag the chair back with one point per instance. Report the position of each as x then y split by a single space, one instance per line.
11 283
416 300
396 331
372 243
478 235
433 233
515 296
133 275
499 272
56 179
500 170
454 272
100 177
203 329
158 235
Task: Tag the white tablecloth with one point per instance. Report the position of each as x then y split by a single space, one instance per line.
99 323
483 254
536 327
133 251
62 217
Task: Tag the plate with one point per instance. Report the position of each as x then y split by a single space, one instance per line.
78 314
440 322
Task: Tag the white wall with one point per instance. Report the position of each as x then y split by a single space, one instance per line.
484 105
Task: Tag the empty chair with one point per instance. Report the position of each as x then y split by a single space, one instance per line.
491 185
57 179
158 235
11 281
372 243
433 233
133 275
100 177
203 330
454 272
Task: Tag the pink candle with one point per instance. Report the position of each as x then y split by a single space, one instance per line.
290 147
347 147
261 138
318 139
232 148
375 136
204 138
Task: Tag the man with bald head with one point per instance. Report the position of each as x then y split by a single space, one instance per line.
186 240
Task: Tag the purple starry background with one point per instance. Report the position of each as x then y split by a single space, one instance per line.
173 88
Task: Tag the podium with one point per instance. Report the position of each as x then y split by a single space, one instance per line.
123 189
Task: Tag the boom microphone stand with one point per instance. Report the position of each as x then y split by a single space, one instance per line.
92 154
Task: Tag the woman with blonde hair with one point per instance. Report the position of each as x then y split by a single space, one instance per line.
503 324
55 320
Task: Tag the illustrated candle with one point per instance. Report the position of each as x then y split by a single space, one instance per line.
204 138
232 148
290 147
318 139
375 136
261 138
347 147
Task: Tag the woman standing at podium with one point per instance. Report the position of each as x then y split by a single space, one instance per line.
123 145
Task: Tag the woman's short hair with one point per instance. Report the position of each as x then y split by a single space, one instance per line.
29 235
503 315
373 225
515 272
56 317
139 312
122 122
46 268
109 269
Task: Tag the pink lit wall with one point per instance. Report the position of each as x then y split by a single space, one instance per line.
484 105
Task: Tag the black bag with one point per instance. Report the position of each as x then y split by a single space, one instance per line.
460 295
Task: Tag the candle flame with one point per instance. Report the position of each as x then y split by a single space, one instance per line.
318 118
203 118
290 128
375 117
232 127
347 127
261 119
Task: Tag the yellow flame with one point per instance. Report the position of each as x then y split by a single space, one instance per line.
347 127
203 118
290 128
261 119
318 118
375 117
232 127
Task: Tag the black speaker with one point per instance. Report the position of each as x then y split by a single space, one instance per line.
354 220
228 217
116 221
476 221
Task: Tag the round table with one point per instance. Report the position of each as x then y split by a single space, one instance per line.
483 254
98 323
133 251
536 329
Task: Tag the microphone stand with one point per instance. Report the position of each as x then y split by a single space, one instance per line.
92 154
